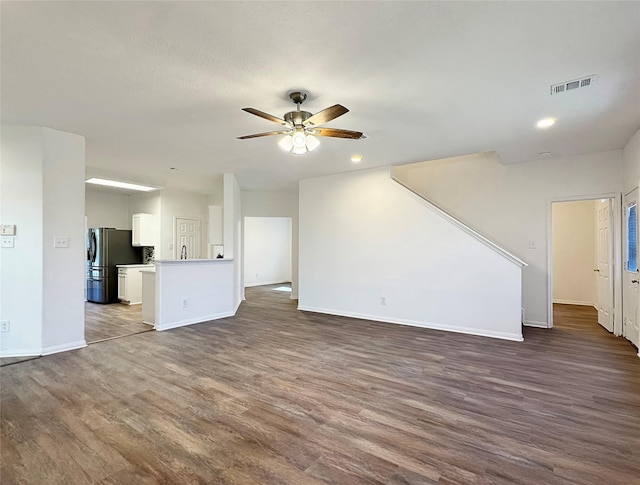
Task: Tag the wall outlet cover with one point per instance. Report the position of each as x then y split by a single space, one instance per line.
60 242
8 241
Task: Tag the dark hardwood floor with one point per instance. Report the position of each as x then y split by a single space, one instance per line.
102 322
274 395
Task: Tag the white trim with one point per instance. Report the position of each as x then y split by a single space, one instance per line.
54 349
413 323
616 199
275 282
574 302
461 225
192 321
535 323
21 353
293 296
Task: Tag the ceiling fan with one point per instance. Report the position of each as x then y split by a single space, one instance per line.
302 127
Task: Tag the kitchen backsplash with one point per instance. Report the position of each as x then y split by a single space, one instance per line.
148 255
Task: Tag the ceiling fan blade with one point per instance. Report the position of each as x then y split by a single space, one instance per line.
336 133
266 116
268 133
331 113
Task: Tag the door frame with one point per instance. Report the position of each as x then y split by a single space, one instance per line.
175 234
623 208
616 243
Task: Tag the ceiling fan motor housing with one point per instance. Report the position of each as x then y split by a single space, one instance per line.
297 117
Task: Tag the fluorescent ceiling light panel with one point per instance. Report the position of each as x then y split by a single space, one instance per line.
120 185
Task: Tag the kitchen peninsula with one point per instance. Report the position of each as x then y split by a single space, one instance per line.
186 291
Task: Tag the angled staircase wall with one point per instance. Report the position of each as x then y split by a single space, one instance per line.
370 248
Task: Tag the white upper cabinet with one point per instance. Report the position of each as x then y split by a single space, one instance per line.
144 230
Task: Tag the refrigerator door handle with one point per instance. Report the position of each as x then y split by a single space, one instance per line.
92 247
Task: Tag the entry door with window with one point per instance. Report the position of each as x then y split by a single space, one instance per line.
631 278
604 302
187 243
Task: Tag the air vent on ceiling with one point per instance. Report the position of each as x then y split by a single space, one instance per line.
574 84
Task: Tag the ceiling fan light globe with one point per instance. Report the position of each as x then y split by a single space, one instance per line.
286 143
312 143
300 150
298 139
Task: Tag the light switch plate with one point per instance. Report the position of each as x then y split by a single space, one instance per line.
60 242
8 241
8 229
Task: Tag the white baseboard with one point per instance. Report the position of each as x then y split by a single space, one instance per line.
54 349
574 302
265 283
192 321
20 353
534 323
517 337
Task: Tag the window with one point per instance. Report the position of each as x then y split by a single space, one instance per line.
632 238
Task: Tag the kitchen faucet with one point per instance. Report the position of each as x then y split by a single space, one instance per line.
183 252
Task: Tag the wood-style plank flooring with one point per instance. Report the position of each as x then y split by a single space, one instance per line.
274 395
102 322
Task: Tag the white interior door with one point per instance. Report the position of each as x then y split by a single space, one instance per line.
187 244
630 277
604 270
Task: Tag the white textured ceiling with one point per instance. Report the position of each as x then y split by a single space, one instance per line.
154 85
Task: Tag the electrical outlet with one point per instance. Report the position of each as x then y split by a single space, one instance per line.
185 303
8 241
5 326
383 300
60 242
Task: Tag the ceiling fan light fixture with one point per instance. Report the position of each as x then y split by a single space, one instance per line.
298 139
300 150
286 143
312 143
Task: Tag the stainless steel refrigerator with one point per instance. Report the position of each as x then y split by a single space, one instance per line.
107 247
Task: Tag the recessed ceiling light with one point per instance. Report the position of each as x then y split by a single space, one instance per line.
120 185
356 158
546 122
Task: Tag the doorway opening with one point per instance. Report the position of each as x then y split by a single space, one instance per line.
268 253
584 257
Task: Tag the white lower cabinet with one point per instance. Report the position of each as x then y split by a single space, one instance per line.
130 284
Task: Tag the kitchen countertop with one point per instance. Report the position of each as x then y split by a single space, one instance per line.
174 261
134 265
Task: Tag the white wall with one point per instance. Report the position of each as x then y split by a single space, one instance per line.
267 250
207 287
107 209
363 237
277 204
21 267
232 233
509 203
631 163
574 252
42 192
64 269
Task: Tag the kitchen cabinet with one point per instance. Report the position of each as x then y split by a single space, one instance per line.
130 283
144 230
